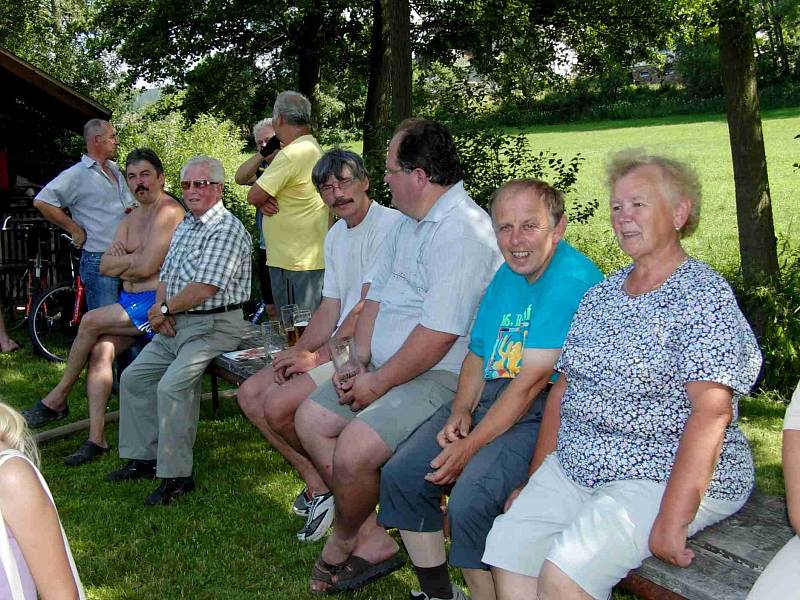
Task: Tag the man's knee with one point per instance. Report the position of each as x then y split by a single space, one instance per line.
102 352
250 396
359 449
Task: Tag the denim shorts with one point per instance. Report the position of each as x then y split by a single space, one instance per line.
101 290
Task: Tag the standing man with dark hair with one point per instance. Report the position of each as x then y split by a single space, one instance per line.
97 197
197 316
247 174
411 339
135 256
296 218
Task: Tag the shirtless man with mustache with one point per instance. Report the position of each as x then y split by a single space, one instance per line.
135 256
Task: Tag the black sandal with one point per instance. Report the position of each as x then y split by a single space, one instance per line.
39 415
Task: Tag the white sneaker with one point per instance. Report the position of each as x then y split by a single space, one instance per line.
457 595
320 517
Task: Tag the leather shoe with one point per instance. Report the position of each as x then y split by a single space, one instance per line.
170 489
135 469
85 453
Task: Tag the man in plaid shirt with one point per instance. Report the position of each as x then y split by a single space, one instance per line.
197 316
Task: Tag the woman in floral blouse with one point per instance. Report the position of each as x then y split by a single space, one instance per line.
639 446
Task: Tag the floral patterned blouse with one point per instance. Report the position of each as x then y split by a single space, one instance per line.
627 361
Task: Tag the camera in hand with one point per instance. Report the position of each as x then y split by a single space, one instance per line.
272 144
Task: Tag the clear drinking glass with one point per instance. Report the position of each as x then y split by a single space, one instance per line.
344 357
274 340
287 321
302 318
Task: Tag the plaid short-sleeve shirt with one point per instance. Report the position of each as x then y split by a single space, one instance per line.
213 249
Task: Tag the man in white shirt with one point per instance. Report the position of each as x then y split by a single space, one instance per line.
270 397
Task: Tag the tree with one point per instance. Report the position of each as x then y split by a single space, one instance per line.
757 243
53 35
254 49
389 93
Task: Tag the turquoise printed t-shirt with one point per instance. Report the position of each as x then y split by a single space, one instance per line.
515 314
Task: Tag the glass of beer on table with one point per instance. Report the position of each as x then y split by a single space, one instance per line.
287 322
302 318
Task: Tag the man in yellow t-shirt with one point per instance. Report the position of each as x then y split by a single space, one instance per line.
296 219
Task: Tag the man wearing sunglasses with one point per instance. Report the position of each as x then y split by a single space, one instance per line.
197 316
295 217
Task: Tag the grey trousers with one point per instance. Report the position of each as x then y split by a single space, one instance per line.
160 390
303 288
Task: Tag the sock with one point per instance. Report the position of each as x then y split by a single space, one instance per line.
435 581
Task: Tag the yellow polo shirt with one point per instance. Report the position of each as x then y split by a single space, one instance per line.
295 236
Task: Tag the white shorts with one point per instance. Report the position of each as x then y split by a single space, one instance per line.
595 536
322 373
780 579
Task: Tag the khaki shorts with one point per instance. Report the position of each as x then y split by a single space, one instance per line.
594 535
397 414
322 373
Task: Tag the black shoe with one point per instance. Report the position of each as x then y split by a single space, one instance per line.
170 489
85 453
39 415
135 469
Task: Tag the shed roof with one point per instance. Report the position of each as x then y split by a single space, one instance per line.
59 101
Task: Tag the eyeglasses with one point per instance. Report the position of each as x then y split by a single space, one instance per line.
339 184
389 171
200 184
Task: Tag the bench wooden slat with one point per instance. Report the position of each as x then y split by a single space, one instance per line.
729 556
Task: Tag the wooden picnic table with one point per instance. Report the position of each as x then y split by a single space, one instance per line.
729 556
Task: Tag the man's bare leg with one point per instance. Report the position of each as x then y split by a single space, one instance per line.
6 343
260 393
99 380
111 320
357 459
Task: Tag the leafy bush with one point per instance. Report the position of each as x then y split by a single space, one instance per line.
779 302
175 141
491 157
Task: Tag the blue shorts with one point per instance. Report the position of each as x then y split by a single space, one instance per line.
137 305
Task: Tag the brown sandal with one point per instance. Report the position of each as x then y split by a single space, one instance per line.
356 572
324 575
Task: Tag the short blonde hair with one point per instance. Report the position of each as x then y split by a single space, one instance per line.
680 180
14 433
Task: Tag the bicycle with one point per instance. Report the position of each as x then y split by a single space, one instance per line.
52 312
24 279
56 314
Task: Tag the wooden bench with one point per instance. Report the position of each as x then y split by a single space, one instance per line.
729 556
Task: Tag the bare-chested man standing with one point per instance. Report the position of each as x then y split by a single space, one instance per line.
135 256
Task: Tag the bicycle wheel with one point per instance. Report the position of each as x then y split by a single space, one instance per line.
49 322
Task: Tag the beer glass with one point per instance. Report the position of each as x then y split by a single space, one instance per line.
302 318
344 357
287 321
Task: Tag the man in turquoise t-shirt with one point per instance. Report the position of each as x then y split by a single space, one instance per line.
481 446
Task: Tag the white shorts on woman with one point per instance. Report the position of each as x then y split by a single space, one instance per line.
594 535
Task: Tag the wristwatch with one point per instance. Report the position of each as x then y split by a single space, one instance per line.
164 309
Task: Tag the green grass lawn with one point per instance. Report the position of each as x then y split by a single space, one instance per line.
234 537
700 140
